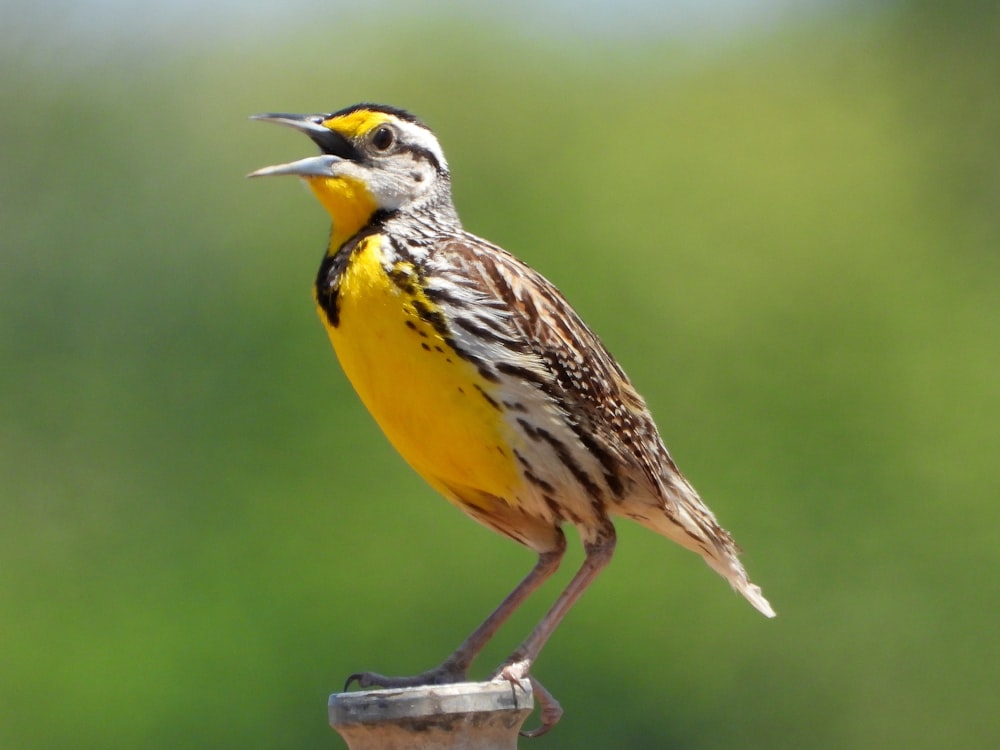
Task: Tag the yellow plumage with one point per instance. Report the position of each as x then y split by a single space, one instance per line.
425 398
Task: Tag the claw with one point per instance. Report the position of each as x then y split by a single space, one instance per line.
360 678
551 710
442 675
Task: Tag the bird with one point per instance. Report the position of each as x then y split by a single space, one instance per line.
484 378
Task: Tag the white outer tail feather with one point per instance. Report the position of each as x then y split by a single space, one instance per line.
732 570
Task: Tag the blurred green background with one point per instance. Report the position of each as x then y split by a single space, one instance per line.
785 225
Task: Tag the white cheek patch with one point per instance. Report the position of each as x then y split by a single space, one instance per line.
395 188
422 173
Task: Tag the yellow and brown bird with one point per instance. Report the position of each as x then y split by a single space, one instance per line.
483 376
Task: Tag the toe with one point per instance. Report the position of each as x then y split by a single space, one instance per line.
551 710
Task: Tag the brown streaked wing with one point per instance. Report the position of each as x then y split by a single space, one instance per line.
607 414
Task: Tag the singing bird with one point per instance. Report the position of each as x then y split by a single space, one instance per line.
483 377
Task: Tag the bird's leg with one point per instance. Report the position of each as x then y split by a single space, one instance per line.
456 667
598 555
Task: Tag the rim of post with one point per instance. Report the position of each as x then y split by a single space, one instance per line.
375 706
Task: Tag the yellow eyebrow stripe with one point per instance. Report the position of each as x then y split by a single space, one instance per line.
356 123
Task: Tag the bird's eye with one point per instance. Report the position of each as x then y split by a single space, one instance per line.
383 138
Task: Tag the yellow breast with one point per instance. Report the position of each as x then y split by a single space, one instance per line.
433 405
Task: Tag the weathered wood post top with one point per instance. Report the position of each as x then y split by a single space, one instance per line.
462 716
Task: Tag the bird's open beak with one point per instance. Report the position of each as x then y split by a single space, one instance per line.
311 125
335 147
312 166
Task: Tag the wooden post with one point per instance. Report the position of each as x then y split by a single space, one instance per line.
462 716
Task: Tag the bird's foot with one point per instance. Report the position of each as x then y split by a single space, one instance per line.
445 674
517 670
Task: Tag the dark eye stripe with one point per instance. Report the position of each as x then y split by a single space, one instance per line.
425 154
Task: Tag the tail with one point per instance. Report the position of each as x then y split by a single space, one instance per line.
685 519
730 568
